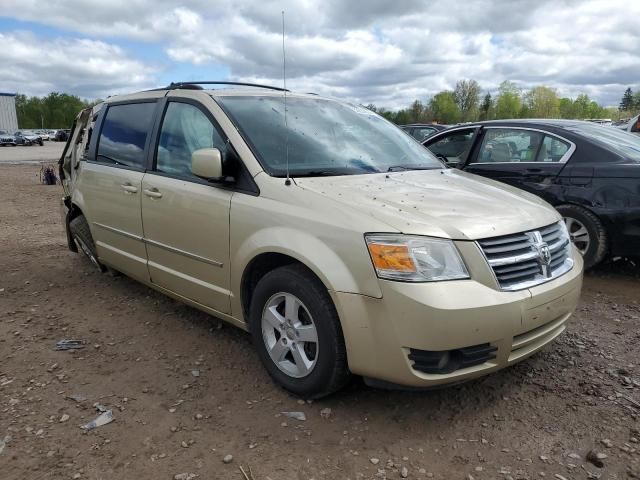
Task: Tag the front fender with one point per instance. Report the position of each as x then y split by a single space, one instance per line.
329 265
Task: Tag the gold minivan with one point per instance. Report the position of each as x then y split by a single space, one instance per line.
339 242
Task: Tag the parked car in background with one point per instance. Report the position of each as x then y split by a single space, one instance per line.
590 173
52 134
44 134
7 139
360 253
28 137
420 131
62 135
632 126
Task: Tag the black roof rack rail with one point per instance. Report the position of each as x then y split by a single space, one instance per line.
196 85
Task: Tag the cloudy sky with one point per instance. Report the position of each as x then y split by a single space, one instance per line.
375 51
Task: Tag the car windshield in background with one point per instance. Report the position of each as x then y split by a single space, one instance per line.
624 144
324 137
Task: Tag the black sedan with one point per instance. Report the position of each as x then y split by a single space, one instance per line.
62 135
590 173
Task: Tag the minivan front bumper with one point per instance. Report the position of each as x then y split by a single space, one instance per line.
401 337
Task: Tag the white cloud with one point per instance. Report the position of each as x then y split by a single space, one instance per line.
376 51
88 68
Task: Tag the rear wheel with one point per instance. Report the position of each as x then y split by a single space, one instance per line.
82 236
587 233
296 331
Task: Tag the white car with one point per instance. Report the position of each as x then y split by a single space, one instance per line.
43 134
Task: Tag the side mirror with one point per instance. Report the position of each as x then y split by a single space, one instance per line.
207 163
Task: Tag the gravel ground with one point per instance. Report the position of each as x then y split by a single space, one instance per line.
185 390
48 152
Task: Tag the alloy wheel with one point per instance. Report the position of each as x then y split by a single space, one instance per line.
290 335
579 234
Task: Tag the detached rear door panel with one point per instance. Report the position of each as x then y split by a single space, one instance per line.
111 182
186 219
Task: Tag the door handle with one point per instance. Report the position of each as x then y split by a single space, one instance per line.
128 188
152 193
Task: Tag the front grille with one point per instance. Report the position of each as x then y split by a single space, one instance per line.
447 361
525 259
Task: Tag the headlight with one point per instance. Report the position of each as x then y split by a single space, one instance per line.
415 259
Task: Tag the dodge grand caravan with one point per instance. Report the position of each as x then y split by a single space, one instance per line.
339 242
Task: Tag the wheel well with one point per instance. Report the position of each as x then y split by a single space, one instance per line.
74 211
258 268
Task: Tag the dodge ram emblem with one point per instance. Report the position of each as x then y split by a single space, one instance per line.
544 253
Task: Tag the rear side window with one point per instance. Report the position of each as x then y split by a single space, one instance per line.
552 149
124 134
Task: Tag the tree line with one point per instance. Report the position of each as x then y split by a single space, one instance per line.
56 110
630 103
463 104
466 103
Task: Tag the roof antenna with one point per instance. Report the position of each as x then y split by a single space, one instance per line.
286 126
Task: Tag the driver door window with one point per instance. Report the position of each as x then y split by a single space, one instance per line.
453 147
185 129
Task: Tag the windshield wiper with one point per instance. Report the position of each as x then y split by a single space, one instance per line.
317 173
402 168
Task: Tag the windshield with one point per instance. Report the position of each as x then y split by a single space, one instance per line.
324 137
624 144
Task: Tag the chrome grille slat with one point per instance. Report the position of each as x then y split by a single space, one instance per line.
516 248
524 273
525 259
503 241
513 268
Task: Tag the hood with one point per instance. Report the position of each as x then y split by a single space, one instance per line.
439 203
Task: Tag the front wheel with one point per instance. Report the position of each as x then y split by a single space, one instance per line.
296 331
586 232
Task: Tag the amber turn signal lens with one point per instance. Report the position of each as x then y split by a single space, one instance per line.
391 257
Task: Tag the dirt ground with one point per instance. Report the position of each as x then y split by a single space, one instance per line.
48 152
536 420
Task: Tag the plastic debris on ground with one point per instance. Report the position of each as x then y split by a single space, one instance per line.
3 442
295 415
103 419
69 345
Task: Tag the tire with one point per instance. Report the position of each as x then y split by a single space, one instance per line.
587 233
82 236
326 370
